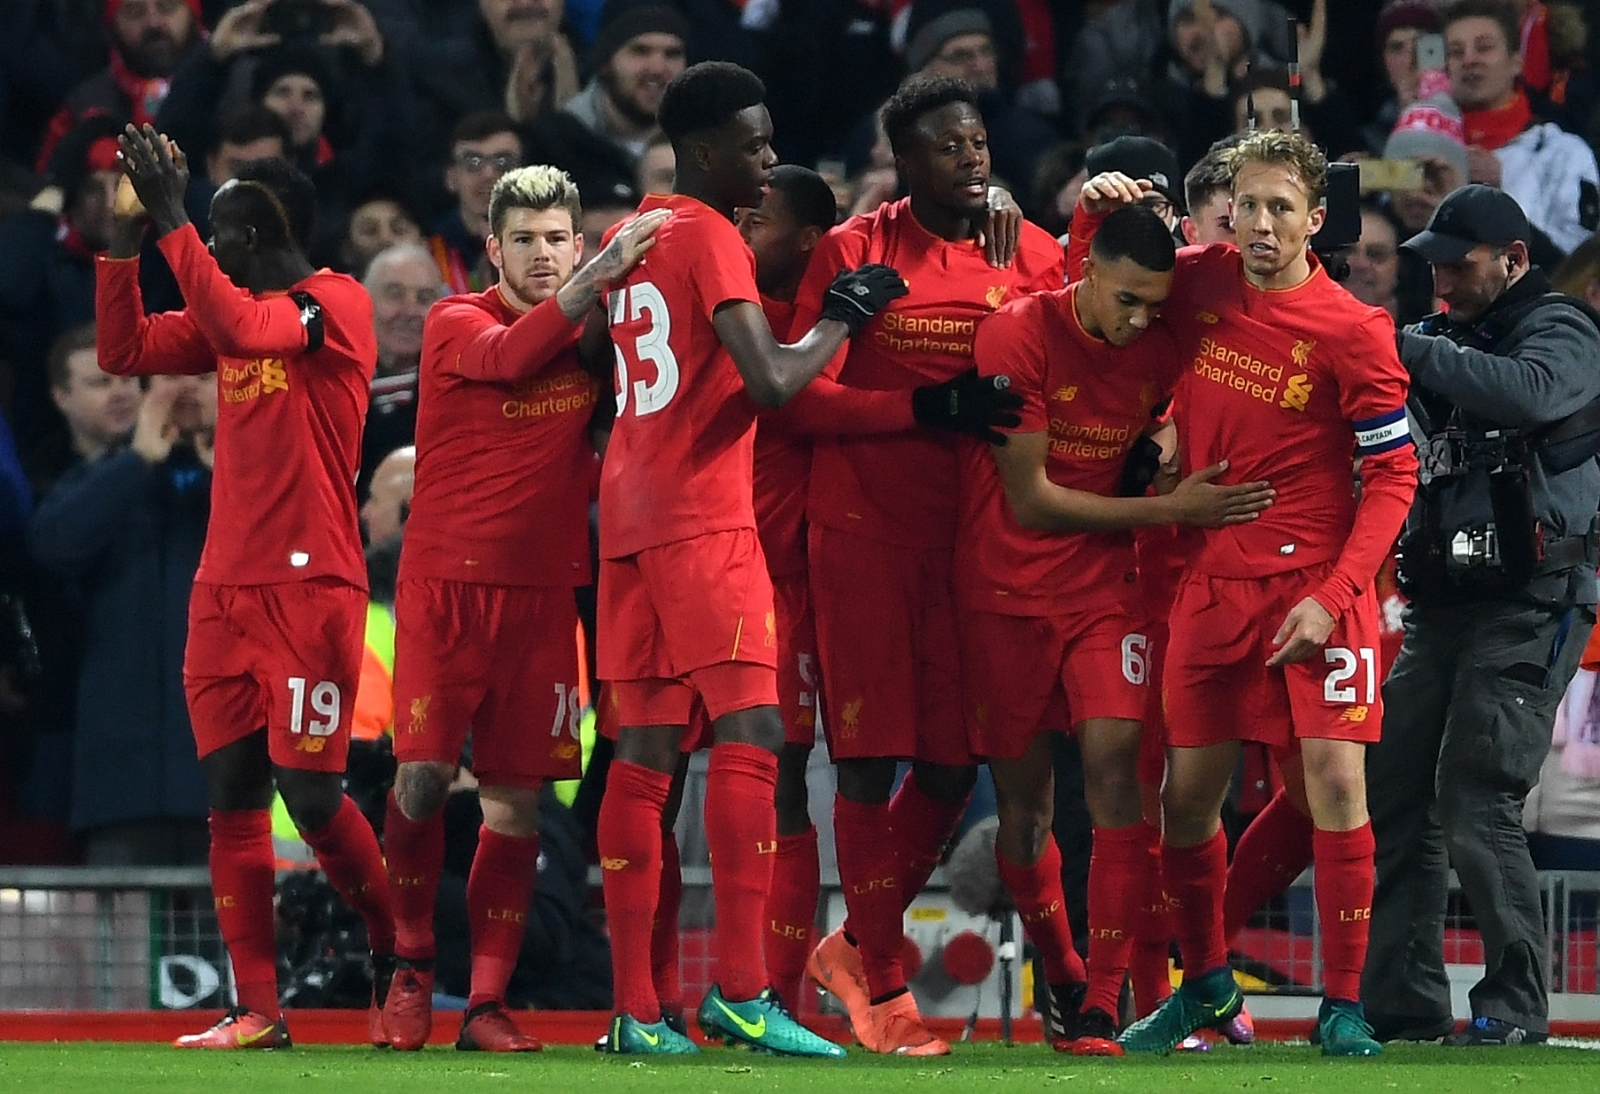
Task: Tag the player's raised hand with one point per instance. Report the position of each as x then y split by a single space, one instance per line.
969 403
1197 500
857 295
159 173
1110 190
1002 232
1305 631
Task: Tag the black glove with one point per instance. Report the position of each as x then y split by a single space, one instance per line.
1141 468
968 403
857 295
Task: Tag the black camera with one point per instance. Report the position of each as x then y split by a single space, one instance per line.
297 20
1341 224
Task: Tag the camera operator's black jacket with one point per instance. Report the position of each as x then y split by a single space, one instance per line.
1535 369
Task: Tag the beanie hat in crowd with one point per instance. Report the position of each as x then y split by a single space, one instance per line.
623 20
1420 15
1248 12
297 60
113 6
1430 127
927 40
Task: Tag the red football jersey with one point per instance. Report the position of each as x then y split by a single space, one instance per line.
288 439
679 461
503 455
782 466
1278 385
901 488
1094 400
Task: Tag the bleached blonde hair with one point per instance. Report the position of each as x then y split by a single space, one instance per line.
538 187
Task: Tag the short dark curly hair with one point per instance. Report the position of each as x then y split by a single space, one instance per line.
705 96
918 96
278 199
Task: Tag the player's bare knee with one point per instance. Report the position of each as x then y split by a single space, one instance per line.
758 726
1024 827
421 788
239 775
944 782
866 781
312 798
510 810
654 747
792 796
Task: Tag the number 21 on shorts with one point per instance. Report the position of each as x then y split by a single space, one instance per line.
323 722
630 305
1345 664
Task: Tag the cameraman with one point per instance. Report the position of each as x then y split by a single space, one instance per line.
1498 561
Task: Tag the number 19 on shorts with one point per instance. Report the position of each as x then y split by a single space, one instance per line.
323 720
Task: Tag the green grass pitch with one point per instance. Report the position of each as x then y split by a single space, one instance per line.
986 1068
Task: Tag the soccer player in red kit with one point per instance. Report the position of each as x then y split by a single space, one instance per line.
796 212
1052 622
1275 630
279 603
883 525
687 626
497 539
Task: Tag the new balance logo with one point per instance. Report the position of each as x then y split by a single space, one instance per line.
1065 393
1353 714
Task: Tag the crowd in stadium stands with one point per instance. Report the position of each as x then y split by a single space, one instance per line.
406 113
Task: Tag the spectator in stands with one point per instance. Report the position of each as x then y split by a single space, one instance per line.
1400 24
340 94
253 133
47 265
383 518
98 410
1551 173
126 529
1429 132
456 75
1208 192
149 39
483 147
656 167
1384 276
599 135
388 504
403 283
379 220
1579 275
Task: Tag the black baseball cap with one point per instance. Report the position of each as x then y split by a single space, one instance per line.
1469 216
1139 158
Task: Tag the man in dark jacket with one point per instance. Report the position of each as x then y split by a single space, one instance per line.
1498 561
126 530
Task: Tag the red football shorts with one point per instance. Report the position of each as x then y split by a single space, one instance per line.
1218 686
686 619
286 657
1153 736
1027 674
498 661
886 632
797 659
698 735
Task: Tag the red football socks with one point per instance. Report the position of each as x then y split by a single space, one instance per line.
1116 891
499 890
241 886
1194 879
348 853
869 875
1150 967
1036 891
1271 853
921 827
1344 881
664 927
792 913
414 854
629 839
742 838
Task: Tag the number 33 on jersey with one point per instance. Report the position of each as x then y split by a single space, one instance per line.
679 463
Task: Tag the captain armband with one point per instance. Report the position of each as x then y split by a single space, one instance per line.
310 319
1384 433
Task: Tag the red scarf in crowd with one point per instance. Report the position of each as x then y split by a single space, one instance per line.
145 94
1497 126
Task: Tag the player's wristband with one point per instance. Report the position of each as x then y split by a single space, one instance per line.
310 319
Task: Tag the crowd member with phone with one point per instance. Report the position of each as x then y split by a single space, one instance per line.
1401 24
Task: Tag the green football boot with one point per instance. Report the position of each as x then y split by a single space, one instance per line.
1206 1002
763 1024
1343 1029
630 1037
